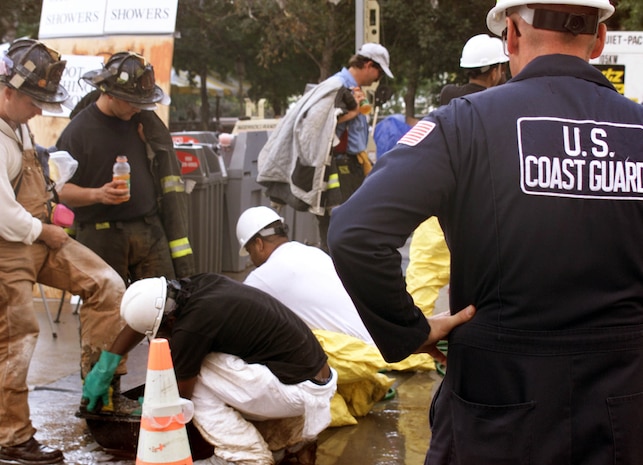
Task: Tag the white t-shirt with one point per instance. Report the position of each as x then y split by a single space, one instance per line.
18 225
303 278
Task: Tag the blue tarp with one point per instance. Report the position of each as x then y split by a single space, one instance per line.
388 132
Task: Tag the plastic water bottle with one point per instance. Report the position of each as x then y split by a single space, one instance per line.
365 107
122 173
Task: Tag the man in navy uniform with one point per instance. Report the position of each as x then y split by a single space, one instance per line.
538 185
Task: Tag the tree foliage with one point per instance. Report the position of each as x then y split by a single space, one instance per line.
316 29
425 39
273 48
19 19
628 15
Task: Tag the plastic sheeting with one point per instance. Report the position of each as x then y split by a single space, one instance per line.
360 378
388 132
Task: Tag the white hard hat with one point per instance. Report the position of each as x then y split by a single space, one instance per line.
482 50
143 304
252 221
496 16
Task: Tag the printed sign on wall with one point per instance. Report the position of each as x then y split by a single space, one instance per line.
623 52
71 18
614 74
140 17
80 18
77 65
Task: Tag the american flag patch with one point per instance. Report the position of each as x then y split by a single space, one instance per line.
417 133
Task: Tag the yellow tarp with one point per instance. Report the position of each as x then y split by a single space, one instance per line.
429 265
360 381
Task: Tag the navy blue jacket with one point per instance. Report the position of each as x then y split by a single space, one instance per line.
538 185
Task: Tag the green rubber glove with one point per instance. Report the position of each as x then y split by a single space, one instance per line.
97 382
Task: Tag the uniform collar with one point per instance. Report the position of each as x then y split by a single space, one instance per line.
348 77
562 65
7 130
20 135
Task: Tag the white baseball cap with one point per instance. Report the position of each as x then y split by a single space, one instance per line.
378 54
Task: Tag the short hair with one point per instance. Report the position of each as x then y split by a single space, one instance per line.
358 61
475 72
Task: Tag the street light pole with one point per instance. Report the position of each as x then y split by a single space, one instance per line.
360 15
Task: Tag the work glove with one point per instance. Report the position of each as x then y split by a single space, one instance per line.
367 166
96 387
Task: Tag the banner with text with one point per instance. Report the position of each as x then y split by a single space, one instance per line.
77 65
622 62
80 18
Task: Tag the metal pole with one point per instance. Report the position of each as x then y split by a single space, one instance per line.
359 24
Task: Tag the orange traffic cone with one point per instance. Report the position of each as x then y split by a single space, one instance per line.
163 438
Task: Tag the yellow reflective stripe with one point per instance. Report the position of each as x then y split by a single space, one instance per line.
172 184
333 181
104 225
180 247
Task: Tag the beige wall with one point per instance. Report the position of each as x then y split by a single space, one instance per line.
158 49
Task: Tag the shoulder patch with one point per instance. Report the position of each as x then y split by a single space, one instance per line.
417 133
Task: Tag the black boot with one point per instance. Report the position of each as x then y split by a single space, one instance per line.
31 453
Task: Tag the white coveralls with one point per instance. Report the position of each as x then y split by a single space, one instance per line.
223 410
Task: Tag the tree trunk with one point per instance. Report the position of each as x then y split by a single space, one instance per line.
409 95
205 102
324 66
240 67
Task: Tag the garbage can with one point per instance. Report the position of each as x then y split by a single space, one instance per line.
195 137
205 176
242 192
302 226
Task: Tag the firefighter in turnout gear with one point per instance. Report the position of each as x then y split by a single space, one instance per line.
145 235
32 249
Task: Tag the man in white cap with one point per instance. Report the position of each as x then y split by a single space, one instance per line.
537 184
316 156
350 162
259 379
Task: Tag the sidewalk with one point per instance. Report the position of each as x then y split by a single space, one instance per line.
396 432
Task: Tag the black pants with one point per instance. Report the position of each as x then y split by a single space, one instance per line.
345 176
531 397
135 249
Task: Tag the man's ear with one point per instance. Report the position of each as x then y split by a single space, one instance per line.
601 36
5 92
512 36
260 245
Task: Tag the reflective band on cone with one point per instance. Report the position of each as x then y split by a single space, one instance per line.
163 438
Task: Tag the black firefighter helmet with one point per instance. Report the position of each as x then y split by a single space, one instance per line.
34 69
128 76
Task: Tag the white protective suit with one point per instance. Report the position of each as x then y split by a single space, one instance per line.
223 412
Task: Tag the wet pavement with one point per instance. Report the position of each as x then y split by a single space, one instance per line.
395 432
